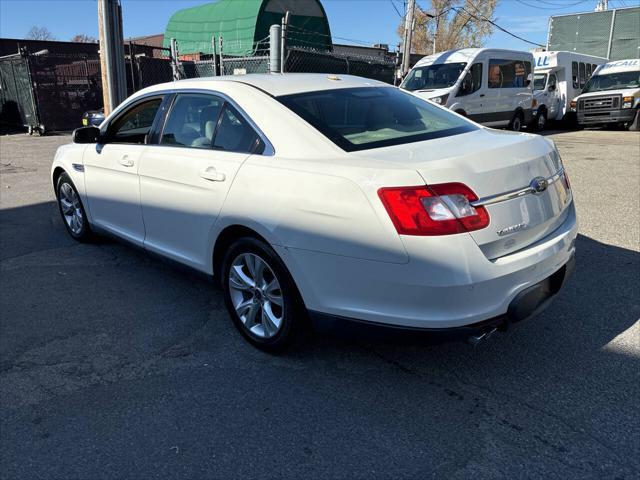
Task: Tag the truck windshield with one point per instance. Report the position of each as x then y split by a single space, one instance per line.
539 81
432 77
612 81
372 117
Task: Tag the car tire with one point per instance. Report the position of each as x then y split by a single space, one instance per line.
72 210
261 296
516 122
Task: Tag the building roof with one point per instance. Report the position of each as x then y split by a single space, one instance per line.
243 24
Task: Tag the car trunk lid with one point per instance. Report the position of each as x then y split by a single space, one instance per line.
518 178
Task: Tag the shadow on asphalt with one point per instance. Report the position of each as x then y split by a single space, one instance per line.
599 302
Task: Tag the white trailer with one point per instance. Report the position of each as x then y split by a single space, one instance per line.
558 78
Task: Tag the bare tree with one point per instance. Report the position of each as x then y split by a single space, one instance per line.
451 26
40 33
84 38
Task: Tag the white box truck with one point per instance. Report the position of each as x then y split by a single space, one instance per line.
611 96
489 86
558 77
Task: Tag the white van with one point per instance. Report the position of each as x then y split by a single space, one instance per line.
611 96
489 86
558 77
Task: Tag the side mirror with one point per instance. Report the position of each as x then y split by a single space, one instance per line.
89 134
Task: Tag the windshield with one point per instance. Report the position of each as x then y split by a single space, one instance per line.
433 76
539 81
372 117
612 81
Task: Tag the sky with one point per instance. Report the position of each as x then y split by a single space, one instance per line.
351 21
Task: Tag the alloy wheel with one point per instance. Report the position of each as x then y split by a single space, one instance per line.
256 295
71 208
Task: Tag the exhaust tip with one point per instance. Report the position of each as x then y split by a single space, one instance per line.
476 340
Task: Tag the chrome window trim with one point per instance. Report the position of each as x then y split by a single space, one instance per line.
269 150
519 192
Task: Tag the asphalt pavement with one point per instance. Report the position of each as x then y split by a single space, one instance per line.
116 365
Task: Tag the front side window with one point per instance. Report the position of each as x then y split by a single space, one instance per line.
192 121
508 73
539 81
134 125
372 117
472 80
553 81
432 77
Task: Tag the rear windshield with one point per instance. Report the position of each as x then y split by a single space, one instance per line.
373 117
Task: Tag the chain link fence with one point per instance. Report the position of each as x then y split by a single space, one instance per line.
44 91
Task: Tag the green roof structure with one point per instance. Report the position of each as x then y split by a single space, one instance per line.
243 24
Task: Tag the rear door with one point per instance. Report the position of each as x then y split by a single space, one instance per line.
185 176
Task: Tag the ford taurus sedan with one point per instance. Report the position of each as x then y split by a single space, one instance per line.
334 198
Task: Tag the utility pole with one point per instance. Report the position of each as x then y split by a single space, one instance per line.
114 83
408 35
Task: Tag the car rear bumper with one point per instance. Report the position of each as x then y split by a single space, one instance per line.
447 283
612 116
527 304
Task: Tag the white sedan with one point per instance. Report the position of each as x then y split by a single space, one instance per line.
334 198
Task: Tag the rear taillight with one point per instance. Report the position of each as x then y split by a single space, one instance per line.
442 209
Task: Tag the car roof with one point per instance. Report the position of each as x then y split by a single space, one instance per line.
276 84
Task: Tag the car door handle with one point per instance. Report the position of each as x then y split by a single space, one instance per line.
125 161
482 94
212 175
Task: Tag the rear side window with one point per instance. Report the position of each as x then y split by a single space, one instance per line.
373 117
508 73
192 121
583 75
134 124
234 134
574 74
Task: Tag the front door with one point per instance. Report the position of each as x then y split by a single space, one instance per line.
111 171
471 95
184 179
552 96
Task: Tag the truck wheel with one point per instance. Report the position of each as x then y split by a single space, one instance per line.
516 122
635 125
541 120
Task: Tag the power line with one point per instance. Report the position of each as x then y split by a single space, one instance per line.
396 8
485 19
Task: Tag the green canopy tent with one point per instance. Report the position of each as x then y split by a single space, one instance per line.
244 23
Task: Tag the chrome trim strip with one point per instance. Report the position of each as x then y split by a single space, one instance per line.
269 150
520 192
